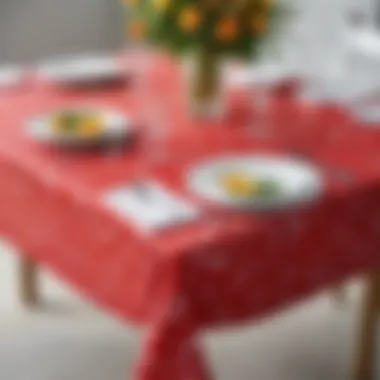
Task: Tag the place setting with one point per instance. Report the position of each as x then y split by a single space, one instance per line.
82 129
250 184
89 72
256 182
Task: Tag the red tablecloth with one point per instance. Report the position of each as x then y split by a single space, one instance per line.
225 268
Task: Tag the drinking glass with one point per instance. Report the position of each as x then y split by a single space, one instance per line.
260 126
262 77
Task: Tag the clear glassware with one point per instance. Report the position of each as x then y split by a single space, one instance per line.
260 127
260 82
156 135
155 112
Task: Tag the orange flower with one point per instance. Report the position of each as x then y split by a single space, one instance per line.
136 29
227 29
161 5
259 24
190 19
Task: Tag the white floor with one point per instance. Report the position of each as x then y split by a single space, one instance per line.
69 340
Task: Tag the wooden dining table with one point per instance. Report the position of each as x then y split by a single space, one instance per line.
228 267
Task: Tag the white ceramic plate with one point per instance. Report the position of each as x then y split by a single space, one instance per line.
10 76
299 183
116 127
82 70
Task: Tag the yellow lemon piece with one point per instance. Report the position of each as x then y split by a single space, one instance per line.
190 19
240 185
259 24
161 5
136 29
227 29
90 127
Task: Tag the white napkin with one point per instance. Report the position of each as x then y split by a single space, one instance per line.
268 74
150 206
10 76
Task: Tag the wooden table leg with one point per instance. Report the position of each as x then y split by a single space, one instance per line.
368 323
28 281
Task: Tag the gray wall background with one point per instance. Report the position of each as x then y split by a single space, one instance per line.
33 29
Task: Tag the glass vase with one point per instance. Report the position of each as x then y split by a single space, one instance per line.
205 85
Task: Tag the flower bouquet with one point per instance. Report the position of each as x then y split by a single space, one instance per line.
209 32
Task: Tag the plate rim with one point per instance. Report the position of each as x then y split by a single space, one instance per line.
50 71
258 204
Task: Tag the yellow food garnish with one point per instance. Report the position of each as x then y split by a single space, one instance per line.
81 126
90 127
227 29
190 19
240 185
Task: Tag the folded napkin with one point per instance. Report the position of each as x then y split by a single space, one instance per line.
150 206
